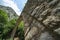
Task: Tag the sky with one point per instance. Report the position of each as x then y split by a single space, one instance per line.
16 5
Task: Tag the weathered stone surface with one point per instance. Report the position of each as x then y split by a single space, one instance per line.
45 36
42 18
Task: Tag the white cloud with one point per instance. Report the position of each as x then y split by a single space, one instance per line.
13 5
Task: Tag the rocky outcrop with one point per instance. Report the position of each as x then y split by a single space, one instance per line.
11 13
42 20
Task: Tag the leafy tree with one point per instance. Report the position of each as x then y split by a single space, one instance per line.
6 26
3 21
3 17
21 30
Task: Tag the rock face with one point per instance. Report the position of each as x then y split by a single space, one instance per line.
42 20
11 13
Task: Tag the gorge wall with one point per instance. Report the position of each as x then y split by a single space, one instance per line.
42 20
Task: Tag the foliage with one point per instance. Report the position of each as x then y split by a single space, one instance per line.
3 17
21 30
6 26
3 21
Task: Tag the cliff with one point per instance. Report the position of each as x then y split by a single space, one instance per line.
11 13
42 20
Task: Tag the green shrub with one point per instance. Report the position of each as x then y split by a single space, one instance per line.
6 26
